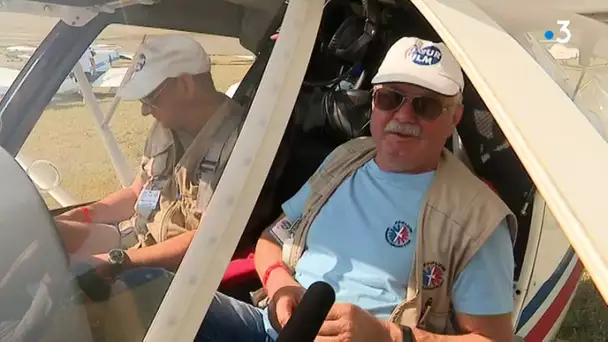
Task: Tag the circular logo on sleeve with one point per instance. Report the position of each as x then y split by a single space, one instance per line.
432 275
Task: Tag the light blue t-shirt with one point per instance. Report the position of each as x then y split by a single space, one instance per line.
362 242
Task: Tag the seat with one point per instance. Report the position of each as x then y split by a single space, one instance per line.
455 146
240 277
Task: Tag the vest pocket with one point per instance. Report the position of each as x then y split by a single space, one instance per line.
173 217
438 323
188 204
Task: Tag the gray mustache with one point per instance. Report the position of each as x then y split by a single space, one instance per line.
406 129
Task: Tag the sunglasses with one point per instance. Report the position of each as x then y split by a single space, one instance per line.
425 107
149 99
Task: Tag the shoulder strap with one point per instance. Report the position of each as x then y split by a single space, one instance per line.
199 147
215 160
339 165
179 147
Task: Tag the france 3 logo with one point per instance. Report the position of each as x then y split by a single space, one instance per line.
564 30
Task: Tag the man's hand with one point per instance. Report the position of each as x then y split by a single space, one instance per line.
94 275
282 304
347 322
98 263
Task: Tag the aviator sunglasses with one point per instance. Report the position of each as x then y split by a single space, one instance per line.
425 107
150 99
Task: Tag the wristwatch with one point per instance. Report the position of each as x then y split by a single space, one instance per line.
408 335
117 259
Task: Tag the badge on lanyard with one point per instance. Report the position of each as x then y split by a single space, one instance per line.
148 200
282 231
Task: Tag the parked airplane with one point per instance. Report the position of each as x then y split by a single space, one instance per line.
104 78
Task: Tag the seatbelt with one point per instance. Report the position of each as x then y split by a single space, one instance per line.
215 160
179 147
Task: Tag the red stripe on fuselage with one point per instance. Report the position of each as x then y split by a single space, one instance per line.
546 322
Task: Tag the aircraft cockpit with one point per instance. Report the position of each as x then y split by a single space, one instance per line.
301 70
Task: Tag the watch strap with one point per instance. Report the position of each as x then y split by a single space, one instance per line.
408 334
117 265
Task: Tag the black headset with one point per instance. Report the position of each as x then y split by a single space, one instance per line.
350 41
352 38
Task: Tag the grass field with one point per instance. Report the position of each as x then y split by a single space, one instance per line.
66 136
587 319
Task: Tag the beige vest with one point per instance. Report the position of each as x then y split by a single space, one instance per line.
457 216
186 179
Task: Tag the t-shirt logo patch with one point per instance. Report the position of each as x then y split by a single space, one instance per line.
428 55
399 234
432 275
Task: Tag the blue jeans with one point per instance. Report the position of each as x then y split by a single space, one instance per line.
148 286
229 319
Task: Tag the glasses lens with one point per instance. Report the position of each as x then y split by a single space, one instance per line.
146 109
387 100
148 99
151 98
427 107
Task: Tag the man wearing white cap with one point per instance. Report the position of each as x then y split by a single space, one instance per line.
185 153
414 245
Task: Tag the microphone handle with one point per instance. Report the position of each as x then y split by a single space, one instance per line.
309 315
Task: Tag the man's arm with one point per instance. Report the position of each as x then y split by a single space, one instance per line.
482 296
483 293
116 207
167 254
268 252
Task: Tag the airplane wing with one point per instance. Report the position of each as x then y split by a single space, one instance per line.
7 76
111 78
564 153
68 87
126 55
232 89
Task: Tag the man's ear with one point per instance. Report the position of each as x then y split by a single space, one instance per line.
187 85
458 111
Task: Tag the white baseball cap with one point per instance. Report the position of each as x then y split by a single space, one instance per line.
421 62
161 58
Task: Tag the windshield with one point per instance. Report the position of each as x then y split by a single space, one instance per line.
21 34
110 154
571 48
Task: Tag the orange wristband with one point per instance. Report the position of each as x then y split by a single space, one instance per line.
271 268
87 215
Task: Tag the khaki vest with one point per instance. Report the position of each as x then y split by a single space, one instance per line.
457 216
186 179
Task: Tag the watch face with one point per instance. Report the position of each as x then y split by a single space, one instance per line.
116 256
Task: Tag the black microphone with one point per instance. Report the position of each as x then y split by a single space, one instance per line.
309 314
